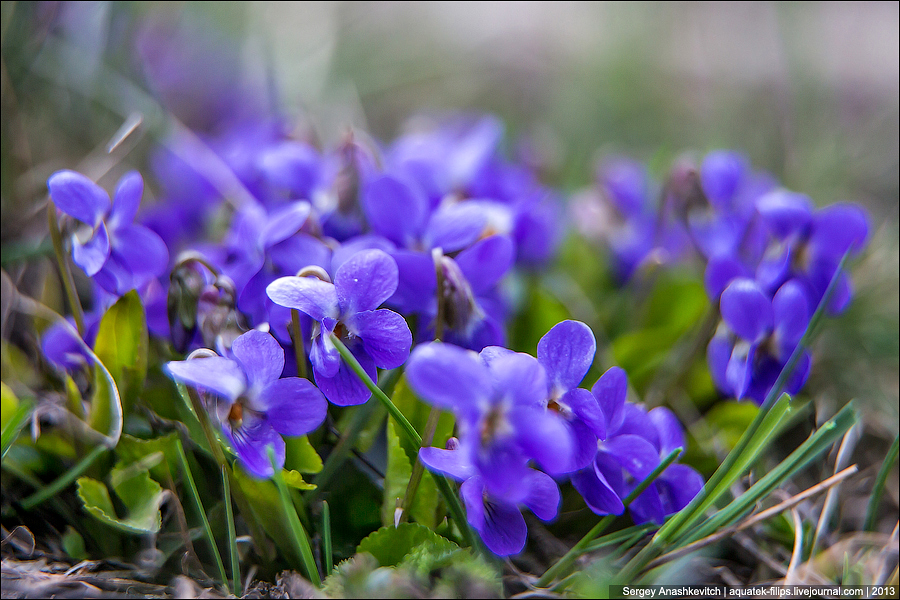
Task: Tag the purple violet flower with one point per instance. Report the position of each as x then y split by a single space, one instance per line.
809 245
117 254
633 445
499 399
253 406
348 308
756 338
566 352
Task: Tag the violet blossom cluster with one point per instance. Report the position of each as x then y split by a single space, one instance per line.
769 255
523 422
356 239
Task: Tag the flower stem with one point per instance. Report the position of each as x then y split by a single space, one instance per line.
65 273
207 529
563 565
232 541
416 477
299 350
298 534
412 435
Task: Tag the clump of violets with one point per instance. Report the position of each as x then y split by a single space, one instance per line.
348 309
106 243
769 246
515 413
252 403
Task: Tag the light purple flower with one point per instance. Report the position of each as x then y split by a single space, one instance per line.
566 352
252 404
348 308
119 255
499 399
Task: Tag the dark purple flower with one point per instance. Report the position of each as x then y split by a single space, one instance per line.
253 406
809 245
348 308
118 254
632 447
756 338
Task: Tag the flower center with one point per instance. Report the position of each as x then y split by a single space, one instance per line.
494 424
236 414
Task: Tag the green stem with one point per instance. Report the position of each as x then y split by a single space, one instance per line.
197 408
207 529
414 438
65 273
880 480
64 481
563 565
339 453
232 538
298 534
418 468
326 539
299 350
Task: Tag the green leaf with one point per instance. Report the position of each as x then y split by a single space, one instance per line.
295 480
775 420
8 404
396 476
15 416
390 545
425 508
73 544
300 456
265 502
730 420
674 308
122 343
141 496
822 439
132 449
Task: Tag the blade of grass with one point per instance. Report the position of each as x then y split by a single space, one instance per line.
64 481
817 443
771 426
298 535
326 539
14 426
207 529
618 536
413 436
232 538
690 515
562 566
878 488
